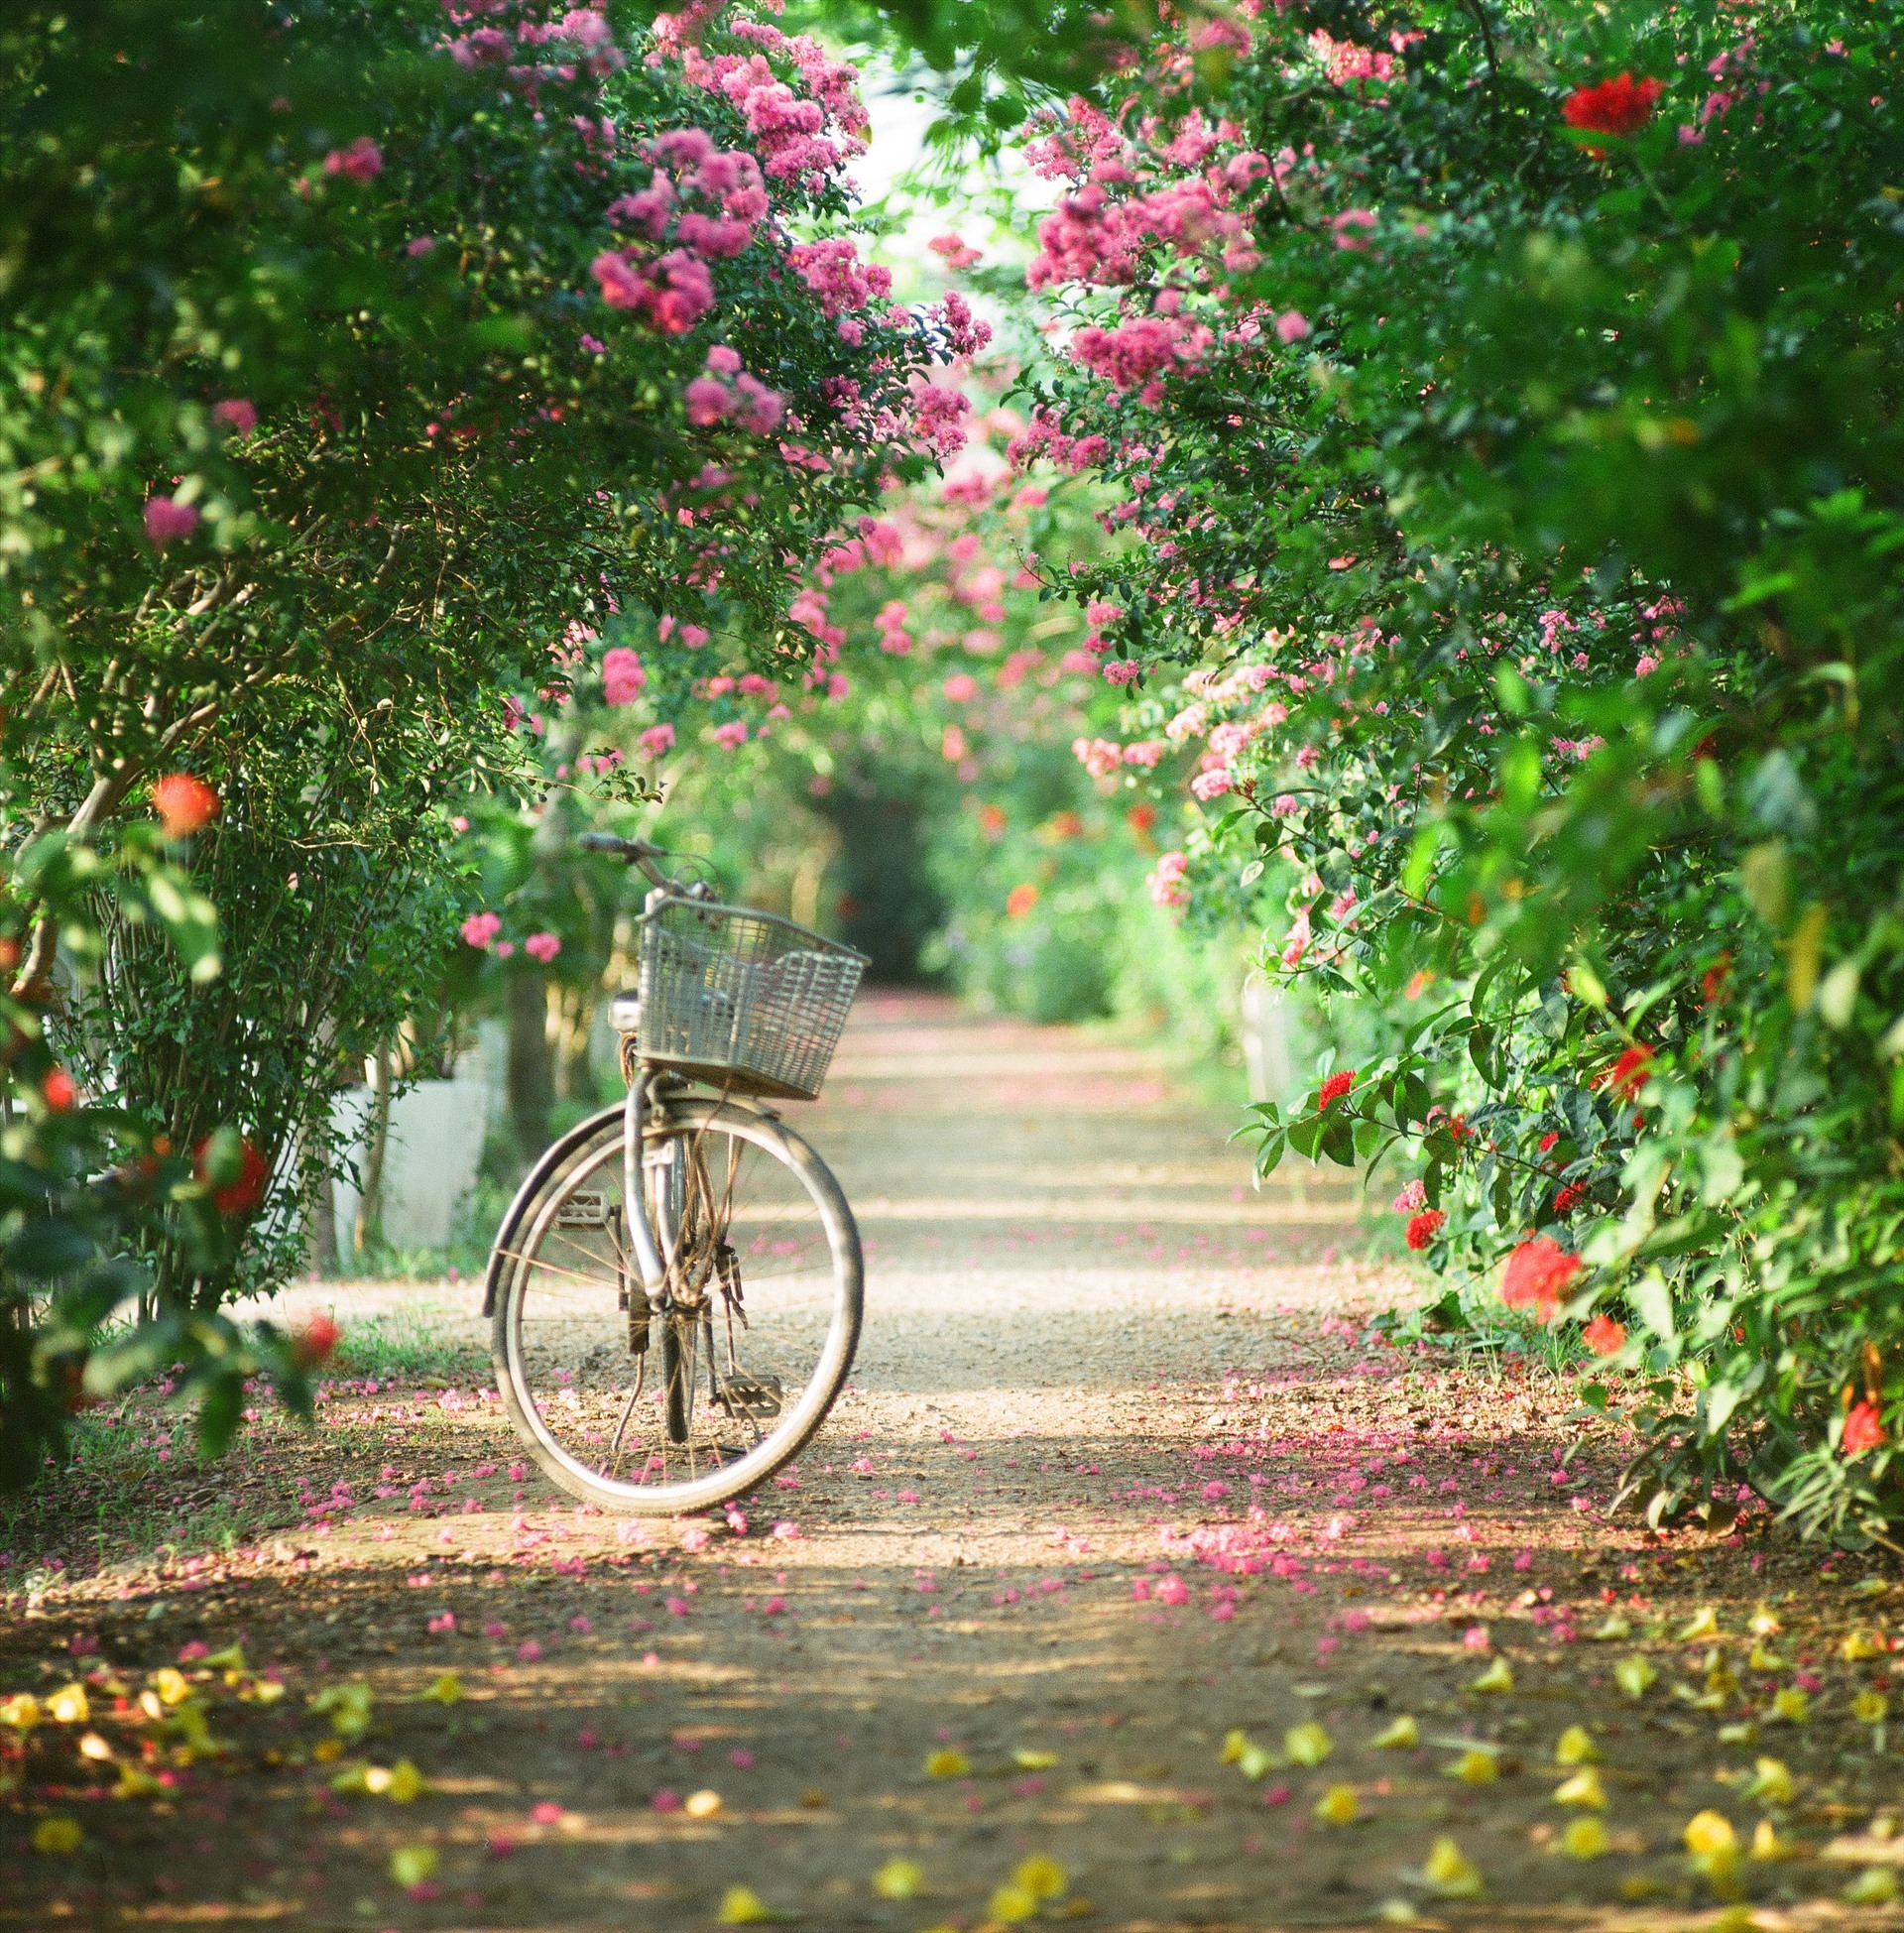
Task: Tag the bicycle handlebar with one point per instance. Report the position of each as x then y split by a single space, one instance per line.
637 852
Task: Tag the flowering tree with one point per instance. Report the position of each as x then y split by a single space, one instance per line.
360 364
1506 405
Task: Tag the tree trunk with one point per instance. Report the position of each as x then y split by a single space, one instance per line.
530 1076
320 1207
369 1231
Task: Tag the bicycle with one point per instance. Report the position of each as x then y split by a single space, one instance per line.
675 1291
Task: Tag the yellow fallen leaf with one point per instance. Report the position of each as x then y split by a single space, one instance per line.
1574 1746
1766 1843
1398 1912
1709 1832
1859 1646
21 1711
1042 1878
92 1745
1012 1904
1792 1705
1254 1761
58 1836
1703 1624
1235 1743
701 1805
359 1778
1339 1806
446 1690
405 1783
325 1749
69 1704
1034 1762
136 1784
1405 1732
1744 1733
1613 1626
1771 1782
1585 1839
1877 1885
1476 1767
743 1907
1497 1677
1714 1845
1763 1622
231 1658
1634 1677
947 1764
898 1880
1584 1788
1308 1744
410 1866
1871 1707
1763 1659
172 1687
1450 1873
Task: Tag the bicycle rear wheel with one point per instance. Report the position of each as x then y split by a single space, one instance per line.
658 1414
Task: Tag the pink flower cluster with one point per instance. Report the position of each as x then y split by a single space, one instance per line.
1166 882
832 269
894 636
362 161
749 403
673 291
166 520
786 127
622 676
1140 352
1345 61
964 333
940 416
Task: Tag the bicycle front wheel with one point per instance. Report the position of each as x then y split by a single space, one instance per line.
658 1414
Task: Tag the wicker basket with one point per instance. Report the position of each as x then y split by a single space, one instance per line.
744 1001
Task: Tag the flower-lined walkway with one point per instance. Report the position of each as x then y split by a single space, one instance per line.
1136 1582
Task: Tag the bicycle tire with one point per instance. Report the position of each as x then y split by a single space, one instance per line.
574 1179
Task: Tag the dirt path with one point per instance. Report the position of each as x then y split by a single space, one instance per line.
1126 1519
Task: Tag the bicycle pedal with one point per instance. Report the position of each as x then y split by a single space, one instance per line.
742 1395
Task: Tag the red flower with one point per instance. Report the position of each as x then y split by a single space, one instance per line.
1564 1201
184 803
1863 1429
242 1194
58 1090
1622 105
1628 1074
1335 1087
1603 1336
1537 1274
1548 1139
312 1344
1423 1228
1021 900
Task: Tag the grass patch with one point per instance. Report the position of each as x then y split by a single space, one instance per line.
402 1346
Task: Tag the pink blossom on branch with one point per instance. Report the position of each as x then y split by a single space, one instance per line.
1166 882
622 676
166 519
707 401
542 946
656 740
362 161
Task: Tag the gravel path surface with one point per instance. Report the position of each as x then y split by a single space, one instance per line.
1126 1544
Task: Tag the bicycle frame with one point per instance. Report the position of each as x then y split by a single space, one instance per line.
649 1257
